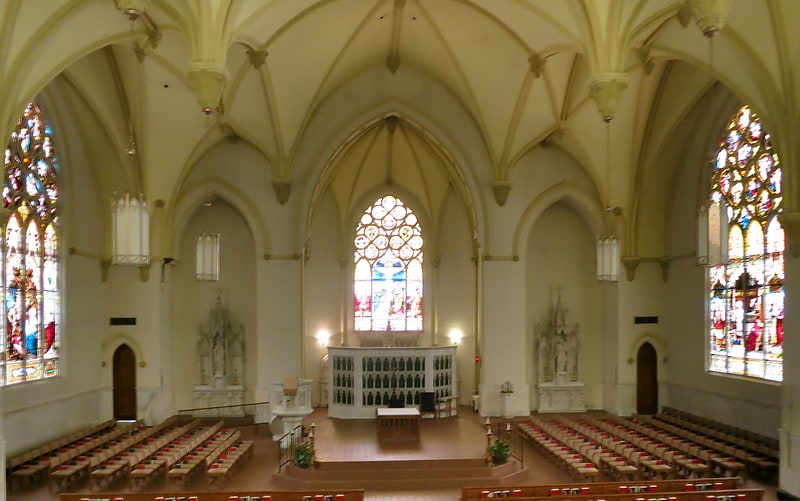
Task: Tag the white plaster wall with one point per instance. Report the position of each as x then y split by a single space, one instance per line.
560 254
744 403
193 299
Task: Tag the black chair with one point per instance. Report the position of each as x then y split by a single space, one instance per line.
396 402
427 403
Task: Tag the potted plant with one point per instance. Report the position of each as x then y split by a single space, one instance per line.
499 452
304 455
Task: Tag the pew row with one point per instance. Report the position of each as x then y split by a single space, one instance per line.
266 495
602 488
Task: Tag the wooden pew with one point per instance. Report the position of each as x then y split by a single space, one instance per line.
32 467
713 495
602 488
265 495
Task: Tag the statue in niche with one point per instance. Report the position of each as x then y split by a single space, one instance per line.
204 358
558 347
220 352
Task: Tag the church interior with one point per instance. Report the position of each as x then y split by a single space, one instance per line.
527 198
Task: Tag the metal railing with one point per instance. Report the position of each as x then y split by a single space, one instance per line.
506 431
291 440
233 415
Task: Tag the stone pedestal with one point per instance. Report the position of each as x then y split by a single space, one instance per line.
218 396
561 397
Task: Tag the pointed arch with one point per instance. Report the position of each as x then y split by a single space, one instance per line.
30 252
744 286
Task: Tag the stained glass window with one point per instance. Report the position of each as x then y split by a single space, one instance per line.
387 286
745 291
30 288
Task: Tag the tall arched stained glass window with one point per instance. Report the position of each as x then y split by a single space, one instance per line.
745 282
30 288
388 268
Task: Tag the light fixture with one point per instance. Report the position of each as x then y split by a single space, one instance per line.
712 234
131 139
455 336
131 230
207 253
207 265
323 336
608 245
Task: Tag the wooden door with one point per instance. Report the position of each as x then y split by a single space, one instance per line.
646 380
124 383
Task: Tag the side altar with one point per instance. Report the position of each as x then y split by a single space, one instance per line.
361 380
559 387
220 362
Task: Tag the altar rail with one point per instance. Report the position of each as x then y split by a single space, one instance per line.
233 415
265 495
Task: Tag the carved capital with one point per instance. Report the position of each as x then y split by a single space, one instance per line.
606 90
537 63
630 263
790 221
282 190
501 189
133 9
208 84
105 265
710 15
144 272
257 57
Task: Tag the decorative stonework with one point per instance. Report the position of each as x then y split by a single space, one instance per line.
220 360
558 350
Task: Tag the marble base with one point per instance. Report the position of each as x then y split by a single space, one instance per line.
209 396
569 397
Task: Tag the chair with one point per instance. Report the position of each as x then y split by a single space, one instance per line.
427 404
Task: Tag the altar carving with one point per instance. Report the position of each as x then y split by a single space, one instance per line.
558 350
220 359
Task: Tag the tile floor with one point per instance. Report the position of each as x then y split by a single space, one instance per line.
458 437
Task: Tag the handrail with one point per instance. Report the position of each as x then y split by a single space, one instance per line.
233 415
287 444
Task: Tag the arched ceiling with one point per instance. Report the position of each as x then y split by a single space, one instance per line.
519 72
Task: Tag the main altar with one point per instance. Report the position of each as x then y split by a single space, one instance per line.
559 387
363 379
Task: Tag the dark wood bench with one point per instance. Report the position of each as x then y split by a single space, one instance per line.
597 488
265 495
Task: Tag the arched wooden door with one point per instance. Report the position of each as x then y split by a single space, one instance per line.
124 383
646 380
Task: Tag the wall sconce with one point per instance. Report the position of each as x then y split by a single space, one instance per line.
455 336
131 230
323 336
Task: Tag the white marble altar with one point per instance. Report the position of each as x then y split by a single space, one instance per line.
220 359
559 388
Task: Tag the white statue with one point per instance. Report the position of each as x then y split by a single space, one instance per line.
204 358
220 352
219 358
558 347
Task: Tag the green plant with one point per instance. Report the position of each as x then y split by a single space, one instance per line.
304 455
499 452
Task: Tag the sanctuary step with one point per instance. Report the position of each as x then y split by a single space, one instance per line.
401 475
